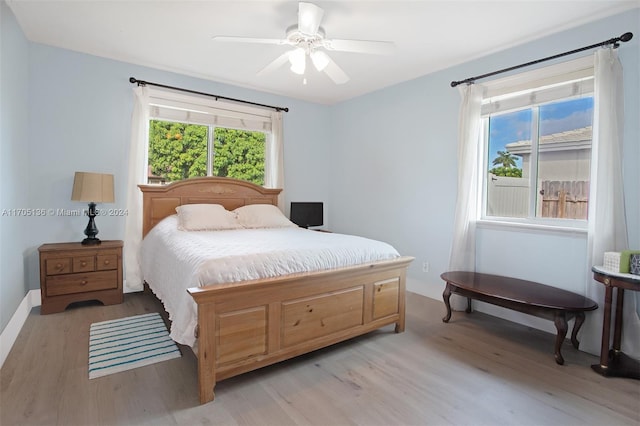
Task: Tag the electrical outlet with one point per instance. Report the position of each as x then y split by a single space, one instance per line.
425 266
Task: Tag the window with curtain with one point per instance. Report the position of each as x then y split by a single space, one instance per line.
191 137
229 122
537 145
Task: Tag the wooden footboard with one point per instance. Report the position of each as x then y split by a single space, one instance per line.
248 325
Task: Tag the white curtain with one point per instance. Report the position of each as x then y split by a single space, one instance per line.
274 157
463 247
607 229
137 160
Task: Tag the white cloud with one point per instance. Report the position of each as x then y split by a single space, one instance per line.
576 120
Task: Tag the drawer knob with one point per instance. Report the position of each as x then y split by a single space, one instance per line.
59 266
83 263
106 262
84 282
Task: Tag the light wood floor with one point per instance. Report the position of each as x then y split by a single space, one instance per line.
476 370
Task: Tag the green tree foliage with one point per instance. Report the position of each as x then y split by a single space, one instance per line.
506 171
505 158
239 154
507 163
179 151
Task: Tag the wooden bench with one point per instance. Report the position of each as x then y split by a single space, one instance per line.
524 296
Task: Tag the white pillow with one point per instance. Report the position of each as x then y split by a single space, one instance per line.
262 216
205 217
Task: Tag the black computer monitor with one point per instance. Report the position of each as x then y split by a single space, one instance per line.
307 214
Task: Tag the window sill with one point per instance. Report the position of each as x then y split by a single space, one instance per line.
535 228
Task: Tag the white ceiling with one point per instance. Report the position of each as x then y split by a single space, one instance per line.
176 35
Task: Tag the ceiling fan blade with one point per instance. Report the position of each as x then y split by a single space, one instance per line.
275 64
335 73
360 46
249 40
309 18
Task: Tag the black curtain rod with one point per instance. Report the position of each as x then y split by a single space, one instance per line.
615 41
148 83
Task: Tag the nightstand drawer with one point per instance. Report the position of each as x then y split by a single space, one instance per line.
106 262
84 264
75 272
59 266
81 283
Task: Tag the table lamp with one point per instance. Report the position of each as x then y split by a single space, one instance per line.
93 188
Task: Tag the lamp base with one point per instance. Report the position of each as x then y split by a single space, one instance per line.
91 241
91 230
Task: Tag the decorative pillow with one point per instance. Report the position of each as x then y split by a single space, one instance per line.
262 216
205 217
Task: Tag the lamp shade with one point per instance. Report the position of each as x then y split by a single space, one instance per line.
93 187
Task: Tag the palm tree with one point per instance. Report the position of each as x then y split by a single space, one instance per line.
505 158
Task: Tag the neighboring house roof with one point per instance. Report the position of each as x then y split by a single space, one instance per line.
562 141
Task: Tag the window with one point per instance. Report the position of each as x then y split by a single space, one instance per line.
191 136
537 141
180 151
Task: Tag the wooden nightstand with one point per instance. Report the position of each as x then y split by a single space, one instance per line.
71 272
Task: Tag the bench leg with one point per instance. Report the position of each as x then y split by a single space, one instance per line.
560 320
468 310
576 327
446 296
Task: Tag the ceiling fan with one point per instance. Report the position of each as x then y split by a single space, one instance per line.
308 40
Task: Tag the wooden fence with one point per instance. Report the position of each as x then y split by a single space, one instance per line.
565 199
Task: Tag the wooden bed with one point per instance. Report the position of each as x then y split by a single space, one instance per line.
246 325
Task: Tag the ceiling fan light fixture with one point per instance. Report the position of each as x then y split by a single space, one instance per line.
308 38
298 59
320 59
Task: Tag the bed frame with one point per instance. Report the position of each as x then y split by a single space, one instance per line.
247 325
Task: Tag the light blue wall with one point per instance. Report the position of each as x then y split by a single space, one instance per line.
393 172
14 164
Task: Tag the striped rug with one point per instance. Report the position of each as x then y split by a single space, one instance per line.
128 343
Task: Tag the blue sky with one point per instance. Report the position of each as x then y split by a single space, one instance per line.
554 118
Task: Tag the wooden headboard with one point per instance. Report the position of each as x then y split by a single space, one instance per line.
160 201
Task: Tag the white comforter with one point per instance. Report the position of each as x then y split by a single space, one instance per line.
174 260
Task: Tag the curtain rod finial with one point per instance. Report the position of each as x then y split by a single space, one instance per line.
132 80
626 37
469 81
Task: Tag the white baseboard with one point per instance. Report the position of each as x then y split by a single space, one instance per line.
11 331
